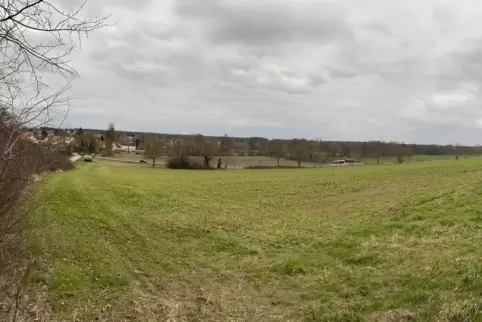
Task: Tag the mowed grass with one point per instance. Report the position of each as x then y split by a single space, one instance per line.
117 242
414 158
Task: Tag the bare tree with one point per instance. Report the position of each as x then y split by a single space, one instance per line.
210 148
376 150
300 151
320 151
226 145
226 150
403 152
206 147
110 136
177 148
241 147
364 147
86 143
154 147
25 57
333 149
277 149
346 149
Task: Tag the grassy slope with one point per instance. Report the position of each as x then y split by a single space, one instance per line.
381 243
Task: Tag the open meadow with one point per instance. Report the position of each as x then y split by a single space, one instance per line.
118 242
414 158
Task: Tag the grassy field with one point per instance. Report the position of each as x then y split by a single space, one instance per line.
414 158
117 242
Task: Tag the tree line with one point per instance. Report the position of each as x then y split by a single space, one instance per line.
299 150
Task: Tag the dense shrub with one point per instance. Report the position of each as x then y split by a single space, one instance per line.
20 161
184 163
54 161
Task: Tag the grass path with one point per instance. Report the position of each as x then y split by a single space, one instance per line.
385 243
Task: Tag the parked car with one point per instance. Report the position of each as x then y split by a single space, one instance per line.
88 158
344 162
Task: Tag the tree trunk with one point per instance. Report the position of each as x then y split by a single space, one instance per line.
153 163
278 161
207 161
299 164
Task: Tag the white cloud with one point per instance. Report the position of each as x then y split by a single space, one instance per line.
448 99
478 122
415 109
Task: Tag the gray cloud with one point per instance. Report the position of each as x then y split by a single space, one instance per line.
266 22
341 69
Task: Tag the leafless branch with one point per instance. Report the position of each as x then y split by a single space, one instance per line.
11 16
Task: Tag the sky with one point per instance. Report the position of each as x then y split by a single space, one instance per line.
331 69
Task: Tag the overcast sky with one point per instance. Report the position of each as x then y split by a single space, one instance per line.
333 69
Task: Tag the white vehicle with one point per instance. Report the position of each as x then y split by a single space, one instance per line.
88 158
344 162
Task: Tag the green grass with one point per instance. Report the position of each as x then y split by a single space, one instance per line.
384 243
413 158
